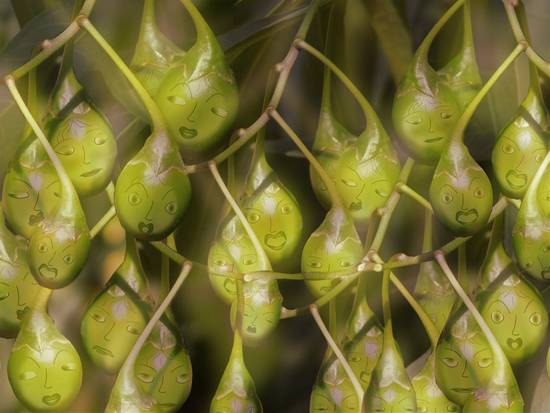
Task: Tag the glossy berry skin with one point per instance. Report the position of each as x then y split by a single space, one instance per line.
82 138
152 191
390 388
31 189
44 369
198 95
333 247
163 368
520 147
154 53
460 191
17 285
236 391
272 211
117 315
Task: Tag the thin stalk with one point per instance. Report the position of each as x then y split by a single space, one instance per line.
110 190
351 375
415 196
333 193
105 219
150 105
175 256
463 278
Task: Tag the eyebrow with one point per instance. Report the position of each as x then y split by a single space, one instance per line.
527 305
504 304
136 183
354 171
213 96
35 362
69 246
167 192
58 353
52 183
23 181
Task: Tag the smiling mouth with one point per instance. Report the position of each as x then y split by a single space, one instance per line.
516 180
275 241
20 313
52 399
364 377
467 217
514 343
355 206
432 140
146 228
90 173
251 329
188 133
463 389
103 351
36 218
47 271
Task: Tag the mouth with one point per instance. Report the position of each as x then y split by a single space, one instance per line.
166 405
355 206
103 351
146 228
514 343
364 377
188 133
251 329
90 173
36 218
52 399
276 241
516 181
463 389
433 140
47 271
467 217
20 313
545 273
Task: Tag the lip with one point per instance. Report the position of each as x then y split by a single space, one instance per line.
516 181
146 228
20 313
275 241
52 399
433 140
36 218
463 389
251 329
166 405
355 206
515 343
545 273
47 271
467 217
188 133
90 173
103 351
364 377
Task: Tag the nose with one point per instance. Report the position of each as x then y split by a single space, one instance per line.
53 256
84 156
430 124
271 230
46 385
358 196
161 387
190 117
465 371
514 329
462 204
147 217
518 167
106 336
19 303
34 208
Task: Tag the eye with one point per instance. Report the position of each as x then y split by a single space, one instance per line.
450 362
253 217
146 378
315 264
68 367
452 408
42 247
446 115
176 100
222 113
286 209
4 295
66 151
68 259
182 378
132 329
349 183
414 121
535 319
98 317
497 317
171 208
344 263
485 362
447 198
479 193
249 260
539 157
508 148
27 375
355 359
220 263
421 409
383 192
19 195
134 199
99 140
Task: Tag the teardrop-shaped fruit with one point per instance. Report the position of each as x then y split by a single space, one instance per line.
81 137
333 247
31 189
117 315
531 233
163 368
390 388
271 210
460 191
152 191
17 286
154 53
236 391
429 397
44 369
199 96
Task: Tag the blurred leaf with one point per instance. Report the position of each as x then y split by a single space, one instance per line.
25 10
12 123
